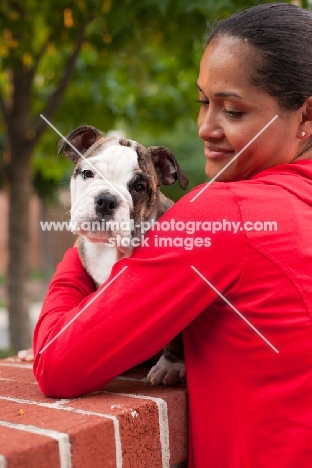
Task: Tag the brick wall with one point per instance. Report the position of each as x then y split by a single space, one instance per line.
128 424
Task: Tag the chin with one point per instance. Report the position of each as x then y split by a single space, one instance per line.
212 172
229 175
96 237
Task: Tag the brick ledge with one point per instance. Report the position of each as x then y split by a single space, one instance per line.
128 424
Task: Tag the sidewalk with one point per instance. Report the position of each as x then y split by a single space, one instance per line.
34 311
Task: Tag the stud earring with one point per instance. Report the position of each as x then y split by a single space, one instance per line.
303 133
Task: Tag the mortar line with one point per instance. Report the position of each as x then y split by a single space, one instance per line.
61 437
162 421
57 406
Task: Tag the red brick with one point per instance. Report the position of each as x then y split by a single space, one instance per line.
20 374
139 426
92 437
26 391
22 449
176 399
117 425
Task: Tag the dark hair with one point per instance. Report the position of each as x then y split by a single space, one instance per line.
281 34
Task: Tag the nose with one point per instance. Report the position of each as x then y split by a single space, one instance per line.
105 204
209 129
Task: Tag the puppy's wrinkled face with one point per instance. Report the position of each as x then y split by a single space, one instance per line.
115 184
110 194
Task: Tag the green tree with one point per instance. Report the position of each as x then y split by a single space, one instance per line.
131 63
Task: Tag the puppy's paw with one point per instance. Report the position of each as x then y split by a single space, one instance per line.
166 372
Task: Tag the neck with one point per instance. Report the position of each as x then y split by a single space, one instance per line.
304 153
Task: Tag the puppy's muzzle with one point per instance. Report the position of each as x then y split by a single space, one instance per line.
105 204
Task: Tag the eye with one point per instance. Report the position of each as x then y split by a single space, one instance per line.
234 114
139 187
87 174
203 102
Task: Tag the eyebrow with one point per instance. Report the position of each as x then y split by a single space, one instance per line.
223 94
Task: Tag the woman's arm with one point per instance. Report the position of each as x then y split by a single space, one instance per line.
132 317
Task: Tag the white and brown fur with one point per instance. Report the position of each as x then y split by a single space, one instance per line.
125 188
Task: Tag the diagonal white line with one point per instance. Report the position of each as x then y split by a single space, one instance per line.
235 310
85 159
233 159
83 309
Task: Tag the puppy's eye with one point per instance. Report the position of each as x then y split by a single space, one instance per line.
87 174
139 187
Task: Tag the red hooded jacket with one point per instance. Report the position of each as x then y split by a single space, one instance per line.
250 389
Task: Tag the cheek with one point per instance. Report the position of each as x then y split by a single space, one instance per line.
79 189
143 204
262 146
241 140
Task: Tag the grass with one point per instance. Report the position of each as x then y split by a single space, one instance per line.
36 275
4 353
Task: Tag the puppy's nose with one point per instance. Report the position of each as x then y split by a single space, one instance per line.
105 203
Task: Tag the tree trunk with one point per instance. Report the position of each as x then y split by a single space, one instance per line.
19 190
23 135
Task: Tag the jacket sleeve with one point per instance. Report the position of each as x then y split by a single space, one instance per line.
84 338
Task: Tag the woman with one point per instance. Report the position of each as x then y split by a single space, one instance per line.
249 388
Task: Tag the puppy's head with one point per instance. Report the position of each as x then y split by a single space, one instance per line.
115 183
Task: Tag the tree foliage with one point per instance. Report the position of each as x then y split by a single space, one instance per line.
136 69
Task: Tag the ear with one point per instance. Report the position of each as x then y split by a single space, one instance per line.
82 139
167 167
305 125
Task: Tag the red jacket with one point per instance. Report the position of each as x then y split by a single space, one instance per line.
250 406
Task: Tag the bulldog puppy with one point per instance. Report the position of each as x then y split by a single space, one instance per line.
115 195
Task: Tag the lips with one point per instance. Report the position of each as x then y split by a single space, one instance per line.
215 152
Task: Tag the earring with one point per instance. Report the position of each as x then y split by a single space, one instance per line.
303 133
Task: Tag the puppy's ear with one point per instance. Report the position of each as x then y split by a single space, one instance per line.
81 139
167 167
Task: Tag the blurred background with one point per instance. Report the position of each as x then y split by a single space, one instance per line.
124 65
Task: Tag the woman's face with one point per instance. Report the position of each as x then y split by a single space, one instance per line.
233 111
